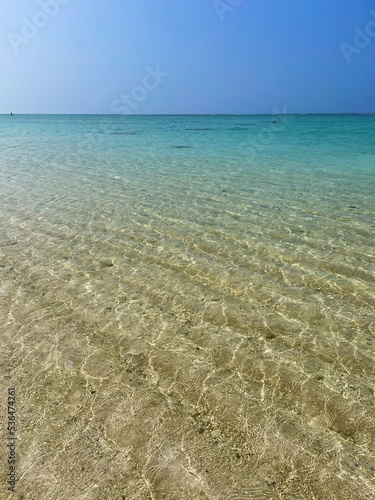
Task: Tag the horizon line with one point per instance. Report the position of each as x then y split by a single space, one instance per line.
193 114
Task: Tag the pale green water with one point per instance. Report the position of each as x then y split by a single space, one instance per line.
187 305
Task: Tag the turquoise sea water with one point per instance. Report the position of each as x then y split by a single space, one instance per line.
189 303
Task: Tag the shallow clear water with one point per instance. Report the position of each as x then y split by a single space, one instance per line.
187 305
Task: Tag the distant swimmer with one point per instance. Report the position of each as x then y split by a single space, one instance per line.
273 121
11 114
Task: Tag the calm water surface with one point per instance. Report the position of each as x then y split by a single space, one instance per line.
187 306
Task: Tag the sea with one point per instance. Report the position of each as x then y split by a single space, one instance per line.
187 306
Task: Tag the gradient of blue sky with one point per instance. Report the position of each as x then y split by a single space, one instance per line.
265 54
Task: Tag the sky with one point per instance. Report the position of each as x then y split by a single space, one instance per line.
187 56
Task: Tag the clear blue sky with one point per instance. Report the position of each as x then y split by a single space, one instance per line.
262 54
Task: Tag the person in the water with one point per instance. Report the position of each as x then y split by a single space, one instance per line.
11 114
